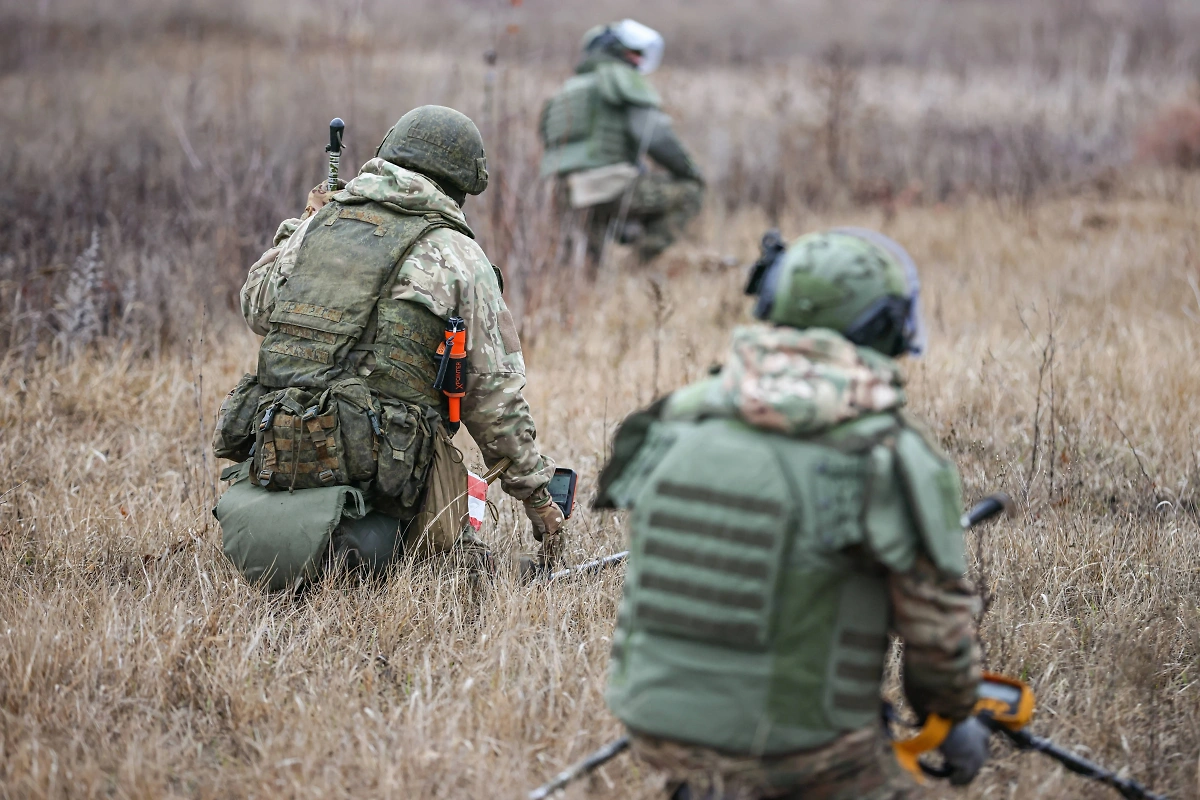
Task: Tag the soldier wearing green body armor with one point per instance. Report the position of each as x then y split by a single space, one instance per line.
788 517
597 132
341 429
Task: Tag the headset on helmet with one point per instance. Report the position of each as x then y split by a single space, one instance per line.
890 321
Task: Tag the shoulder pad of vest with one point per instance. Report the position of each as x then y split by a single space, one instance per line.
627 442
934 494
861 434
623 85
691 401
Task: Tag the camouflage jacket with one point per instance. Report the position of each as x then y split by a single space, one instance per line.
449 274
801 383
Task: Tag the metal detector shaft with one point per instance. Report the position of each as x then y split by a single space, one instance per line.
1128 788
336 129
589 567
601 756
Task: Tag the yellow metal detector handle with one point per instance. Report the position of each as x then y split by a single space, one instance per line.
909 751
1006 700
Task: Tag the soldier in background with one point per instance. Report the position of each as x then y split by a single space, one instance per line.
354 299
597 132
788 516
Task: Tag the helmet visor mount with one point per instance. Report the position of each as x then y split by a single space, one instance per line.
914 322
766 288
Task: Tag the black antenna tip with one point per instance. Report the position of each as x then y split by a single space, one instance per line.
336 129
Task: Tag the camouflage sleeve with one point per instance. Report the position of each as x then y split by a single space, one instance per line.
935 616
652 132
268 274
449 274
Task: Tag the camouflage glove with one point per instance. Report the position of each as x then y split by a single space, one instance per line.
544 514
319 196
547 520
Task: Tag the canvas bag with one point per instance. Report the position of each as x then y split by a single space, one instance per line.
444 517
279 539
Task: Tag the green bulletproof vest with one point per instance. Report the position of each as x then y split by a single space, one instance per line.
333 315
585 125
755 617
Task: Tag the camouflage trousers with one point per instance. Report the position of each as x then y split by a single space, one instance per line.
658 209
857 766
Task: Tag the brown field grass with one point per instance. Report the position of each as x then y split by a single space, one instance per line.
1062 294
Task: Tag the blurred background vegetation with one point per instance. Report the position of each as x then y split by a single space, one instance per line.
166 139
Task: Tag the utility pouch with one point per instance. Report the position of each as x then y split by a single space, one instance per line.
360 425
405 451
234 434
444 511
298 441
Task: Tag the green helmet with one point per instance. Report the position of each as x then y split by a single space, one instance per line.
441 143
852 280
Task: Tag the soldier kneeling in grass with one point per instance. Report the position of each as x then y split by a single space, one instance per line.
597 132
788 515
343 435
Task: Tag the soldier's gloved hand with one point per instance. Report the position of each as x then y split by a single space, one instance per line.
965 750
544 514
319 196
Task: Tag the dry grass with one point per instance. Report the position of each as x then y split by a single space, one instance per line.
135 661
1064 320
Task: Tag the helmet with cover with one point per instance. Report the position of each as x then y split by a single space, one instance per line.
442 144
628 40
852 280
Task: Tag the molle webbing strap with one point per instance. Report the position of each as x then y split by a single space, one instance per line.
742 634
718 563
856 672
702 494
725 597
863 641
857 702
728 533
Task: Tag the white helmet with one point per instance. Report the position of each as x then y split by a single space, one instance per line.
633 36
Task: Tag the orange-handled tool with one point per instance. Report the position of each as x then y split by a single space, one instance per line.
452 369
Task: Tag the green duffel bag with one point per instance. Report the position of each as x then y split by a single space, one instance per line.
283 539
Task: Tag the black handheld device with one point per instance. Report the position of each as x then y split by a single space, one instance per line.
562 490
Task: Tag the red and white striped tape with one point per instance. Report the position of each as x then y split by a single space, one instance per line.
476 499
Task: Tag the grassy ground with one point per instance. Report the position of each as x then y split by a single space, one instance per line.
135 661
1062 295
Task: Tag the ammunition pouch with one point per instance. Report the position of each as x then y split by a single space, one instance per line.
234 434
344 435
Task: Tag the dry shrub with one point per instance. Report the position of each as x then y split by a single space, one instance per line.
1172 137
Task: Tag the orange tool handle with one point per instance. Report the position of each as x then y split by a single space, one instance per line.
452 370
